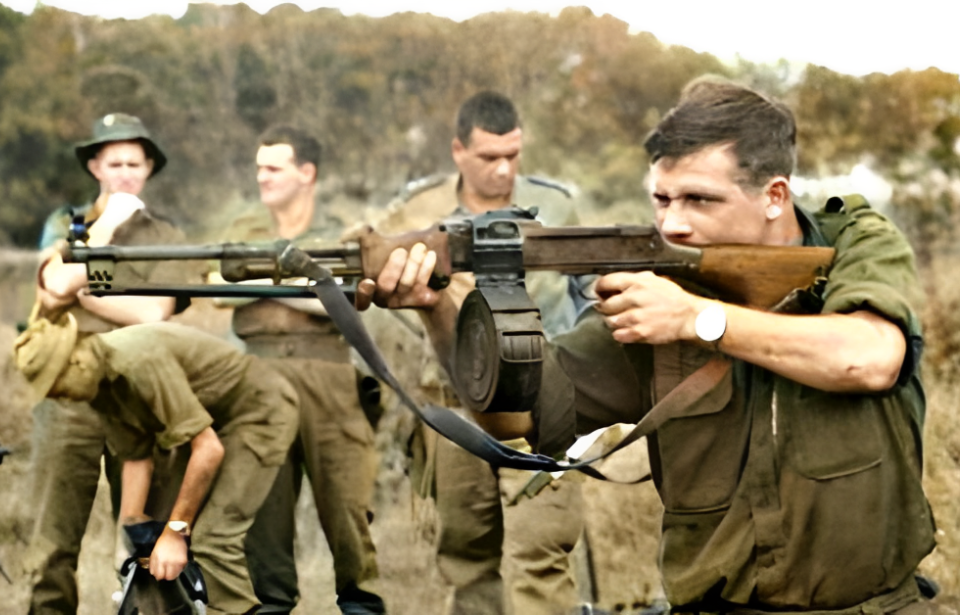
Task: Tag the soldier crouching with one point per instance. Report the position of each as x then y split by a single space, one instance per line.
165 385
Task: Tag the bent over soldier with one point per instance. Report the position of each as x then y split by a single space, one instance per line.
164 385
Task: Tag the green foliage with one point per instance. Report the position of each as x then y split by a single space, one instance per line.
382 93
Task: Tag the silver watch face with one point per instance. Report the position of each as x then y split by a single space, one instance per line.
178 526
711 323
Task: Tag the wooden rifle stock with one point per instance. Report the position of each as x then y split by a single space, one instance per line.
753 275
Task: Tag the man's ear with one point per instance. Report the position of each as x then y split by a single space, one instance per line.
93 165
778 197
456 149
308 171
149 162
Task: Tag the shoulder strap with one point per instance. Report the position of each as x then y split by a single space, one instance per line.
549 183
464 433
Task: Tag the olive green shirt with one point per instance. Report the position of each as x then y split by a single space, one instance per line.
165 383
776 495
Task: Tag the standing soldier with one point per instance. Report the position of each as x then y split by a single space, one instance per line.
486 511
336 443
68 437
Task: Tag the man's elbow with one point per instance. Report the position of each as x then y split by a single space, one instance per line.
208 445
872 363
56 294
881 376
871 374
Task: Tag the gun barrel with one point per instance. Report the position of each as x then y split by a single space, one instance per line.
219 291
227 251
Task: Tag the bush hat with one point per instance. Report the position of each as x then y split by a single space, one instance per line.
115 127
43 350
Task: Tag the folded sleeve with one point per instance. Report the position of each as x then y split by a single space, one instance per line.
875 270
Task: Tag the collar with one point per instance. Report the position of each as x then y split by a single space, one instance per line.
812 235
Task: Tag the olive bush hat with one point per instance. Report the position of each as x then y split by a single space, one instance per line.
43 350
120 127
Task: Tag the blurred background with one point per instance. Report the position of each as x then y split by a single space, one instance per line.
381 93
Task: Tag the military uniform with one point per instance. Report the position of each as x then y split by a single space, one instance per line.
482 512
68 436
335 447
777 496
164 384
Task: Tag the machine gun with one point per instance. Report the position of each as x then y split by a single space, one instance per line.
498 247
499 337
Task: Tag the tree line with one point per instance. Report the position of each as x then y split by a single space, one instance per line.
381 94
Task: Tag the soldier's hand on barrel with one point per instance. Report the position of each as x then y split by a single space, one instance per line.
402 282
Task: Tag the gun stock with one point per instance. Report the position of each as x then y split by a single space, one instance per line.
761 276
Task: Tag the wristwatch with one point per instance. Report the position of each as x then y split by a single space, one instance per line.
180 527
711 323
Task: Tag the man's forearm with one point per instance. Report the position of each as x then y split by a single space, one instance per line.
59 282
844 353
206 454
441 320
135 484
126 311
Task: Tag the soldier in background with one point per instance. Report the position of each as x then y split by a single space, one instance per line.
68 437
336 443
486 512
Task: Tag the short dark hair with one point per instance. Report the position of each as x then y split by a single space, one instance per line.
712 111
305 146
488 111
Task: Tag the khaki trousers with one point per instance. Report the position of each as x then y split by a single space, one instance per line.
217 541
237 493
336 450
68 442
479 525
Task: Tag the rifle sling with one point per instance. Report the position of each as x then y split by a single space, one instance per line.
461 431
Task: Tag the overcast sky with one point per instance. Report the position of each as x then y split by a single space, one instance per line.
850 36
